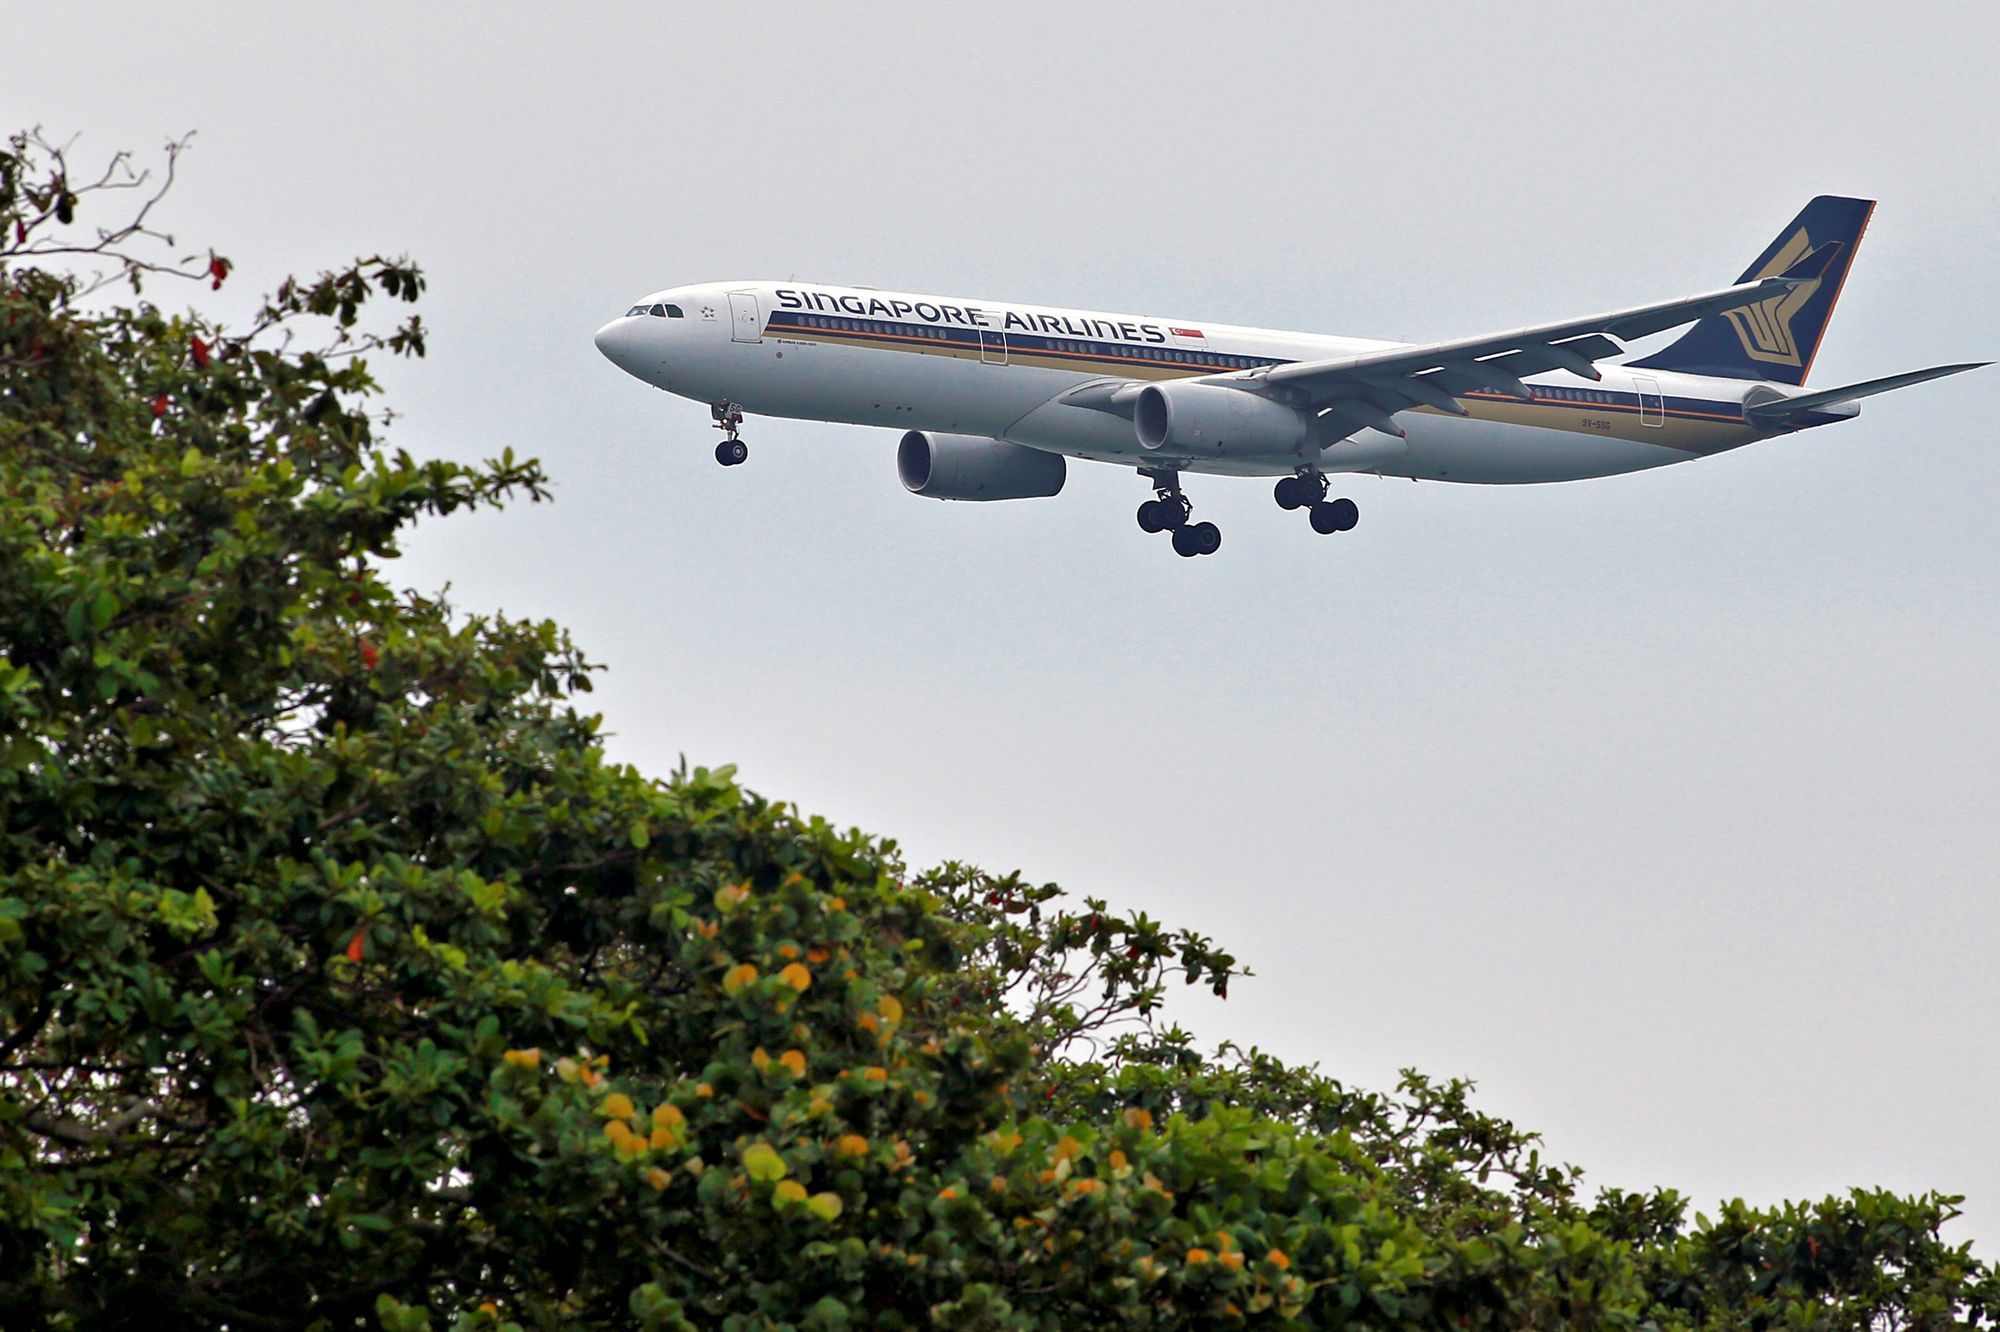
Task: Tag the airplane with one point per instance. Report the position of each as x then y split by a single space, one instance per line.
991 397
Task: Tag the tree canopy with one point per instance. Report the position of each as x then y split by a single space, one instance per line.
345 982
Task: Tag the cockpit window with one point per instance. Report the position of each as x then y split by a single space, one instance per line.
635 310
663 311
674 312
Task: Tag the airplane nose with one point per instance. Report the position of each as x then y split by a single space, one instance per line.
617 341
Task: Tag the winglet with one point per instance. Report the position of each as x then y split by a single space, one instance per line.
1813 263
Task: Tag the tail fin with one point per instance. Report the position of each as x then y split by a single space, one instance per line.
1776 339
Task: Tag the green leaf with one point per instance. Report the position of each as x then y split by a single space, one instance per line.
764 1164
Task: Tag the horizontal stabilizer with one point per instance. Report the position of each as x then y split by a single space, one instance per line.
1782 409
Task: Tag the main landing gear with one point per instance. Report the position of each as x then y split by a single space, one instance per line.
728 416
1307 490
1169 511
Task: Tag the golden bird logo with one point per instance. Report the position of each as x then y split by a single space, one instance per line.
1765 329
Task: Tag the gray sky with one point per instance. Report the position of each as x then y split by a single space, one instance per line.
1663 805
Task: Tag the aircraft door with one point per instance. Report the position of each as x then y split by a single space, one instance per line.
746 324
993 346
1652 411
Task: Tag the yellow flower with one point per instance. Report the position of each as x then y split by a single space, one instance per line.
1196 1257
1277 1259
659 1178
737 977
795 1060
666 1115
530 1058
850 1144
796 976
789 1191
616 1106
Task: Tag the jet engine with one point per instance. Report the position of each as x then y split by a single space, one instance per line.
1209 420
970 467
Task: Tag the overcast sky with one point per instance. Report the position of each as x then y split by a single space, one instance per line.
1662 805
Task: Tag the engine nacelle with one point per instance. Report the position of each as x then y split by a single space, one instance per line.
971 467
1207 419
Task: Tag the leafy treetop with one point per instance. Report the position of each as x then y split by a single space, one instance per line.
344 982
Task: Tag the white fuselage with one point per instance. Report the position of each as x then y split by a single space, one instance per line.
997 368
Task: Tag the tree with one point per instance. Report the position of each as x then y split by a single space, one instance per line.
345 983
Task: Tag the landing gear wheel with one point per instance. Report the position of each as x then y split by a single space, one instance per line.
1168 512
1286 492
1329 516
730 452
1197 539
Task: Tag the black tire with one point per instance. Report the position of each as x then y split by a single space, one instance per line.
1206 538
1325 518
1152 517
1184 543
1346 514
1286 492
731 452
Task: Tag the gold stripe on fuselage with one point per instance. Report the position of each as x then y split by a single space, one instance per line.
1688 432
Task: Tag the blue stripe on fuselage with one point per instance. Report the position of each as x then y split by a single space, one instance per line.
923 337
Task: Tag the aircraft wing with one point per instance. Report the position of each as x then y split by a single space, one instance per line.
1369 389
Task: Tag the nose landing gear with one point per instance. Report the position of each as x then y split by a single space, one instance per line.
1169 511
728 416
1307 490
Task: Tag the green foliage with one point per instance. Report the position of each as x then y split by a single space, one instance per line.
345 983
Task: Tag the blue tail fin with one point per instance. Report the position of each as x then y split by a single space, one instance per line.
1776 339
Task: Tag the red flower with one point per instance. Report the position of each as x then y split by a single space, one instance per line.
369 656
357 944
159 406
199 350
218 268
